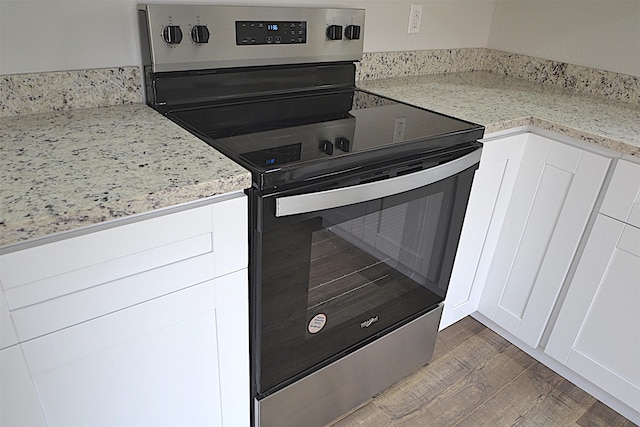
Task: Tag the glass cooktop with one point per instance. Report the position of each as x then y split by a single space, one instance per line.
308 135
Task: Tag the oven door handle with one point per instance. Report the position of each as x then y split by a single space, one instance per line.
312 202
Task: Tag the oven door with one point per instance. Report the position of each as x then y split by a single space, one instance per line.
333 270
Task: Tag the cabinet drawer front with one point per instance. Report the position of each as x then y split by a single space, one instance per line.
65 256
622 200
109 271
59 313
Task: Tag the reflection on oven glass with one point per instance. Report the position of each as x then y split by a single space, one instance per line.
359 264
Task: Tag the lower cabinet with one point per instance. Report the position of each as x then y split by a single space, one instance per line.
597 333
553 198
157 363
490 195
531 200
142 324
19 405
550 270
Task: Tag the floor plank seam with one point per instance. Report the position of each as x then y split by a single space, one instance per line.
391 420
491 396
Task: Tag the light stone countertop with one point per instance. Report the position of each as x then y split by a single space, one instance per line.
66 170
500 102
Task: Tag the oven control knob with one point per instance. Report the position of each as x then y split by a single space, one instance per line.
326 147
172 34
334 32
343 144
200 34
352 32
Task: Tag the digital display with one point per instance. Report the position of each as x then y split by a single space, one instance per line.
275 156
251 33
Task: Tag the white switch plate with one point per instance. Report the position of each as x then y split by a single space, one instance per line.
415 16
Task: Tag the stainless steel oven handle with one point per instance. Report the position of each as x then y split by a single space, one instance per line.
311 202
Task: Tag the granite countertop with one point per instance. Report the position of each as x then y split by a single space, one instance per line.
65 170
500 102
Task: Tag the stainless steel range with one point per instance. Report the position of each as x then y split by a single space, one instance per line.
357 200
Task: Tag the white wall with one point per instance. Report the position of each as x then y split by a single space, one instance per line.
52 35
603 34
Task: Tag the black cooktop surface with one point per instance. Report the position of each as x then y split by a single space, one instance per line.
285 138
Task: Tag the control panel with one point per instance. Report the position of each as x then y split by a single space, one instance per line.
177 37
279 32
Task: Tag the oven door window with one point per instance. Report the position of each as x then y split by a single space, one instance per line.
333 280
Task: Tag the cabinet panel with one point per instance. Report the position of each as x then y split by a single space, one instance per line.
8 334
490 195
597 333
230 235
513 228
19 406
622 200
64 256
39 319
152 364
554 196
232 319
84 279
563 245
547 207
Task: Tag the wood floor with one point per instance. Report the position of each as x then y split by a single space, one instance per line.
476 378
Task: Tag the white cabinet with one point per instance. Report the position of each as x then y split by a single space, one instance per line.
139 324
597 332
156 363
553 198
490 195
8 335
19 405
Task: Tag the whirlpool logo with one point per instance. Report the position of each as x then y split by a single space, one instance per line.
369 322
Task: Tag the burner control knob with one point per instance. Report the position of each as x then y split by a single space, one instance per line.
200 34
352 32
172 34
326 147
334 32
343 144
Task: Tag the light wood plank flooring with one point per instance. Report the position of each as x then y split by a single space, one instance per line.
477 378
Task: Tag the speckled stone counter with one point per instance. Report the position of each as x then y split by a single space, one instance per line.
501 102
68 169
65 170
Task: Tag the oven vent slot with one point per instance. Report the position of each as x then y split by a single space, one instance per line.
375 177
416 167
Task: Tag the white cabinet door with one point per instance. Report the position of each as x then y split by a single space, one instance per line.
19 406
232 326
622 200
492 189
156 363
553 198
8 335
597 332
